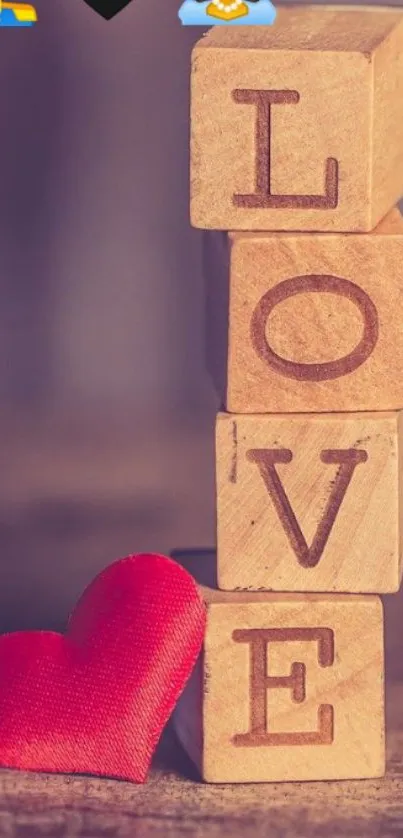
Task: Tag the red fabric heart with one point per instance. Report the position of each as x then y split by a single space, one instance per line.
95 701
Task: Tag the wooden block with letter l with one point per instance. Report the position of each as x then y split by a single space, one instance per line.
288 687
310 502
298 126
307 322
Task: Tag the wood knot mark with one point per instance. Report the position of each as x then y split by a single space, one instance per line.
234 459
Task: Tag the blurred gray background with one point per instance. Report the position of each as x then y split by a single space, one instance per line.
107 414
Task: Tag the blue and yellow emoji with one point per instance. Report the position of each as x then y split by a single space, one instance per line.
214 12
17 14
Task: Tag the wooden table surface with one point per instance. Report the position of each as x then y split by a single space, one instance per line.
174 803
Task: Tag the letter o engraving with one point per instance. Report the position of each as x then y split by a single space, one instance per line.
319 284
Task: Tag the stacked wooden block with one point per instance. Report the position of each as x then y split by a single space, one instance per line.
297 148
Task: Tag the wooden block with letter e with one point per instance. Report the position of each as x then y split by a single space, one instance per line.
298 126
288 687
313 320
310 502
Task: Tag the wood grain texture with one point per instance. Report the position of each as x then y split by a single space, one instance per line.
304 129
312 322
288 687
309 503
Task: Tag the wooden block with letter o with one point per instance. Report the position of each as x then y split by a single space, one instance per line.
288 687
313 322
310 502
298 126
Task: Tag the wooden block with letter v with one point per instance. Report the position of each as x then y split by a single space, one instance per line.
288 687
298 126
313 320
310 502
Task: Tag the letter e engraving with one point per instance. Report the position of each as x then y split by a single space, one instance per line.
319 284
263 197
261 681
266 460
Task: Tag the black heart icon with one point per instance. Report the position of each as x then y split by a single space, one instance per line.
107 8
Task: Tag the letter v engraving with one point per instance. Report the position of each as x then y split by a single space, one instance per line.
266 460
